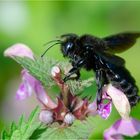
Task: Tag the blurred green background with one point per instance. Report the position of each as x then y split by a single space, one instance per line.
36 22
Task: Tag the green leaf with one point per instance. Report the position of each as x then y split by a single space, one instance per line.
31 125
4 135
83 128
41 70
78 130
78 86
13 128
16 135
21 121
38 132
33 129
23 130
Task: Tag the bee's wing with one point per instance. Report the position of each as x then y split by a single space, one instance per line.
120 42
112 59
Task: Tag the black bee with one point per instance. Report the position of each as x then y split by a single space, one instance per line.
98 54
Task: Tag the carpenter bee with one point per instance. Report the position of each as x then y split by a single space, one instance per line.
98 54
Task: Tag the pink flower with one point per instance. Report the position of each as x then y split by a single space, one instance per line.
67 108
29 83
104 108
118 98
124 127
20 50
120 128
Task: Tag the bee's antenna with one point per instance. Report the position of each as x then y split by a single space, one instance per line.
50 47
51 42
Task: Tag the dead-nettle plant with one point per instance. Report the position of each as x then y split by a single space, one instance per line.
67 115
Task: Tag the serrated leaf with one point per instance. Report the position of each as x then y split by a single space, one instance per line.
22 124
4 135
78 86
16 135
30 130
41 70
71 134
13 128
33 129
33 115
83 129
31 125
38 132
23 130
78 130
21 121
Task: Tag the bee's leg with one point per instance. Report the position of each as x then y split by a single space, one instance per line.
71 72
75 70
78 75
101 80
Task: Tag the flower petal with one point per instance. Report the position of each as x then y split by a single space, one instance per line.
25 89
105 110
23 92
81 110
105 107
60 111
130 127
42 95
31 84
119 100
20 50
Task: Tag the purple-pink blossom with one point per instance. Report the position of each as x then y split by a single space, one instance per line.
20 50
29 83
68 107
104 109
118 98
61 108
123 127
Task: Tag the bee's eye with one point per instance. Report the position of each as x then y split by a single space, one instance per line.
69 46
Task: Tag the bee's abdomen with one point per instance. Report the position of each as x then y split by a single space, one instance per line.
122 79
127 87
131 91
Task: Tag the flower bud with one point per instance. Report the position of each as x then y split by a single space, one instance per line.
46 116
55 70
69 118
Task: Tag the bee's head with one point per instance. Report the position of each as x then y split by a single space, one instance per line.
68 44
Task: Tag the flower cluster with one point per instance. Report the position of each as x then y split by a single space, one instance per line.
68 107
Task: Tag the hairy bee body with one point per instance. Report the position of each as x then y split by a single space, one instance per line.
118 76
98 54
